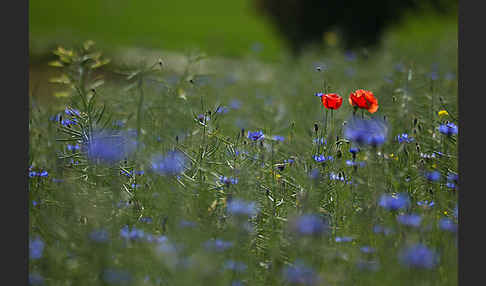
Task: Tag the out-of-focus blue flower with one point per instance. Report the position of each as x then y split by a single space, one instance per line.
433 75
426 204
255 136
228 181
433 176
354 163
350 56
218 245
350 72
405 138
237 283
343 239
418 256
450 76
173 163
235 104
353 150
44 174
314 173
413 220
185 223
399 67
381 229
368 265
35 279
300 274
453 177
366 131
394 202
448 129
117 277
133 234
456 212
222 109
36 247
322 158
100 235
310 224
367 249
239 207
33 174
318 94
68 122
447 224
235 266
110 146
450 185
279 138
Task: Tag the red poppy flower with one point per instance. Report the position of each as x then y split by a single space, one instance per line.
331 101
364 99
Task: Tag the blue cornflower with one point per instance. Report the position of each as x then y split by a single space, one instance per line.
100 235
353 151
366 131
322 158
36 247
456 212
222 109
413 220
367 249
133 234
447 224
310 224
43 174
71 111
426 204
117 277
418 256
300 274
218 245
453 177
433 176
336 177
110 146
185 223
450 185
235 266
68 122
33 174
242 208
36 279
73 147
319 94
278 138
343 239
255 136
394 202
319 141
448 129
405 138
228 181
350 56
433 75
173 163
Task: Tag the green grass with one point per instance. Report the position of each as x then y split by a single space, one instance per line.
66 212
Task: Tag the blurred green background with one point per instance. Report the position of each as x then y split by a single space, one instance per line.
216 27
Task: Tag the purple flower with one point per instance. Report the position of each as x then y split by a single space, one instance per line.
228 181
71 111
278 138
218 245
433 176
418 256
322 158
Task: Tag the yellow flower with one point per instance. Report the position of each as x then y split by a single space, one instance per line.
443 113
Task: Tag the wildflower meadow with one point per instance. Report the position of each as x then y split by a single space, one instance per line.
327 170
